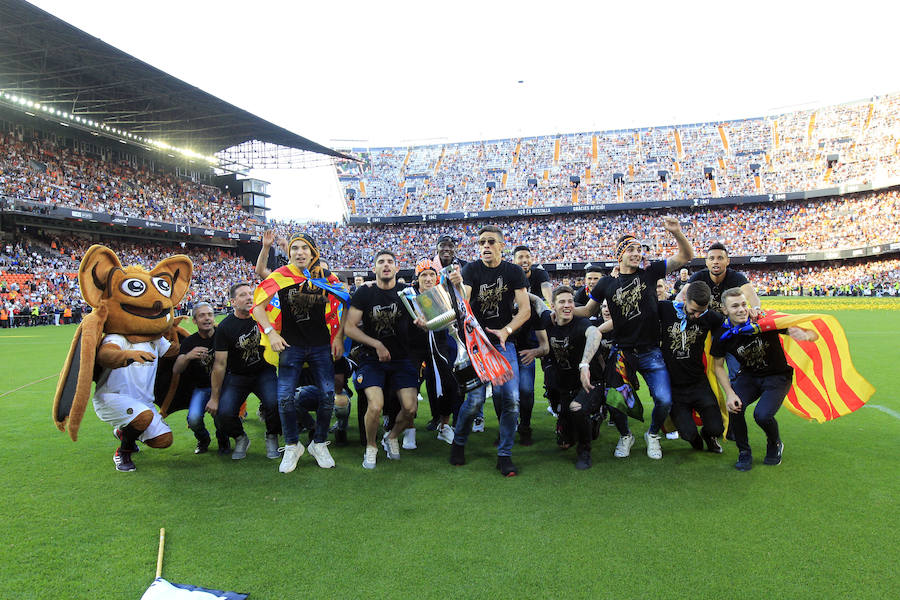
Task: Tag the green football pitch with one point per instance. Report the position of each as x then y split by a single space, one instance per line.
823 524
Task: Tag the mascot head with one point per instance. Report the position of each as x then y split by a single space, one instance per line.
137 301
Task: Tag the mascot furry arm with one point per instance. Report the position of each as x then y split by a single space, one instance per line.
129 301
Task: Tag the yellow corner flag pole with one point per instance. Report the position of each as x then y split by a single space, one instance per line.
162 546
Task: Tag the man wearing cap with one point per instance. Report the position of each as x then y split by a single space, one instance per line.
631 297
446 253
310 332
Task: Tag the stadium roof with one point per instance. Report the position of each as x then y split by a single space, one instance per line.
46 60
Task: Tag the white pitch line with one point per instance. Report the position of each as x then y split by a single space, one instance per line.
886 410
45 379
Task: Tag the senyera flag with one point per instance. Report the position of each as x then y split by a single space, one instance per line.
826 384
161 589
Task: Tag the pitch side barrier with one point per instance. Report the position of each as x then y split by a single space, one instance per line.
624 206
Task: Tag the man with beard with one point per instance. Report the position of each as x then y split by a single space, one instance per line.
239 369
194 365
493 286
446 252
684 327
538 279
377 320
632 300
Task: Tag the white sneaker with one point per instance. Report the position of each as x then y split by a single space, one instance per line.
672 435
391 447
419 398
654 450
552 412
292 453
321 454
623 448
489 392
272 446
409 439
445 433
370 457
478 425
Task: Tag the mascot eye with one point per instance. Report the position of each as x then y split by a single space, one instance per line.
163 285
134 287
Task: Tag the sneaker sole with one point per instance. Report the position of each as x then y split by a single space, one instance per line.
366 465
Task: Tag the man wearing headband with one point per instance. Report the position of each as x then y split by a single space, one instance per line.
305 337
632 301
446 253
433 349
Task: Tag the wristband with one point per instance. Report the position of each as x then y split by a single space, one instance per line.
508 330
583 365
268 330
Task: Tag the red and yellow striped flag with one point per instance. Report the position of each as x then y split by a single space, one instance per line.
279 279
826 385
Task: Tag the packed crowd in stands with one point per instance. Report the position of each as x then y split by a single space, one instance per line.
42 170
776 228
786 153
39 270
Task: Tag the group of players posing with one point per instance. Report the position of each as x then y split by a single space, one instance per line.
663 340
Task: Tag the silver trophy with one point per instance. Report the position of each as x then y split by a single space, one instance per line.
438 308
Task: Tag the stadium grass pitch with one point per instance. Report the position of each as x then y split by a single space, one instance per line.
821 525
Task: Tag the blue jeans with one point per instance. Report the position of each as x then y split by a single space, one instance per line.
526 393
770 390
651 365
506 397
196 411
235 390
321 366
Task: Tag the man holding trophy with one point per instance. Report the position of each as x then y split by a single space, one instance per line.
492 286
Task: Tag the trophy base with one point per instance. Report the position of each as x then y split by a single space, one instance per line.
466 377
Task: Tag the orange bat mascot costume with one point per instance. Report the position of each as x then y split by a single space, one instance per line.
118 344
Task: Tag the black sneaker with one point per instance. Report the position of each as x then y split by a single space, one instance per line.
134 447
224 448
506 467
525 438
457 454
433 424
123 461
773 453
340 437
202 447
744 462
584 460
713 445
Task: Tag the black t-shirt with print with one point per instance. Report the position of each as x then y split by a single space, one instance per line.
493 292
524 338
537 277
385 319
732 279
241 339
566 348
683 350
759 355
198 370
633 305
303 315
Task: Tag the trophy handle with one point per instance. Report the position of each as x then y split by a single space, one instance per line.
414 311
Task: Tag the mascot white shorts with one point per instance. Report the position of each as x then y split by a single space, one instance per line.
118 410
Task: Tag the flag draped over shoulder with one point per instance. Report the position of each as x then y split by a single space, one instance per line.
287 276
826 385
161 589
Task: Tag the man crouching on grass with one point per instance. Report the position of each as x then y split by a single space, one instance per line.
764 375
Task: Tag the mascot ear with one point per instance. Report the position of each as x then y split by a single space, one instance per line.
180 268
95 273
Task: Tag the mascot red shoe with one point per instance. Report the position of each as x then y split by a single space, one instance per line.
118 346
